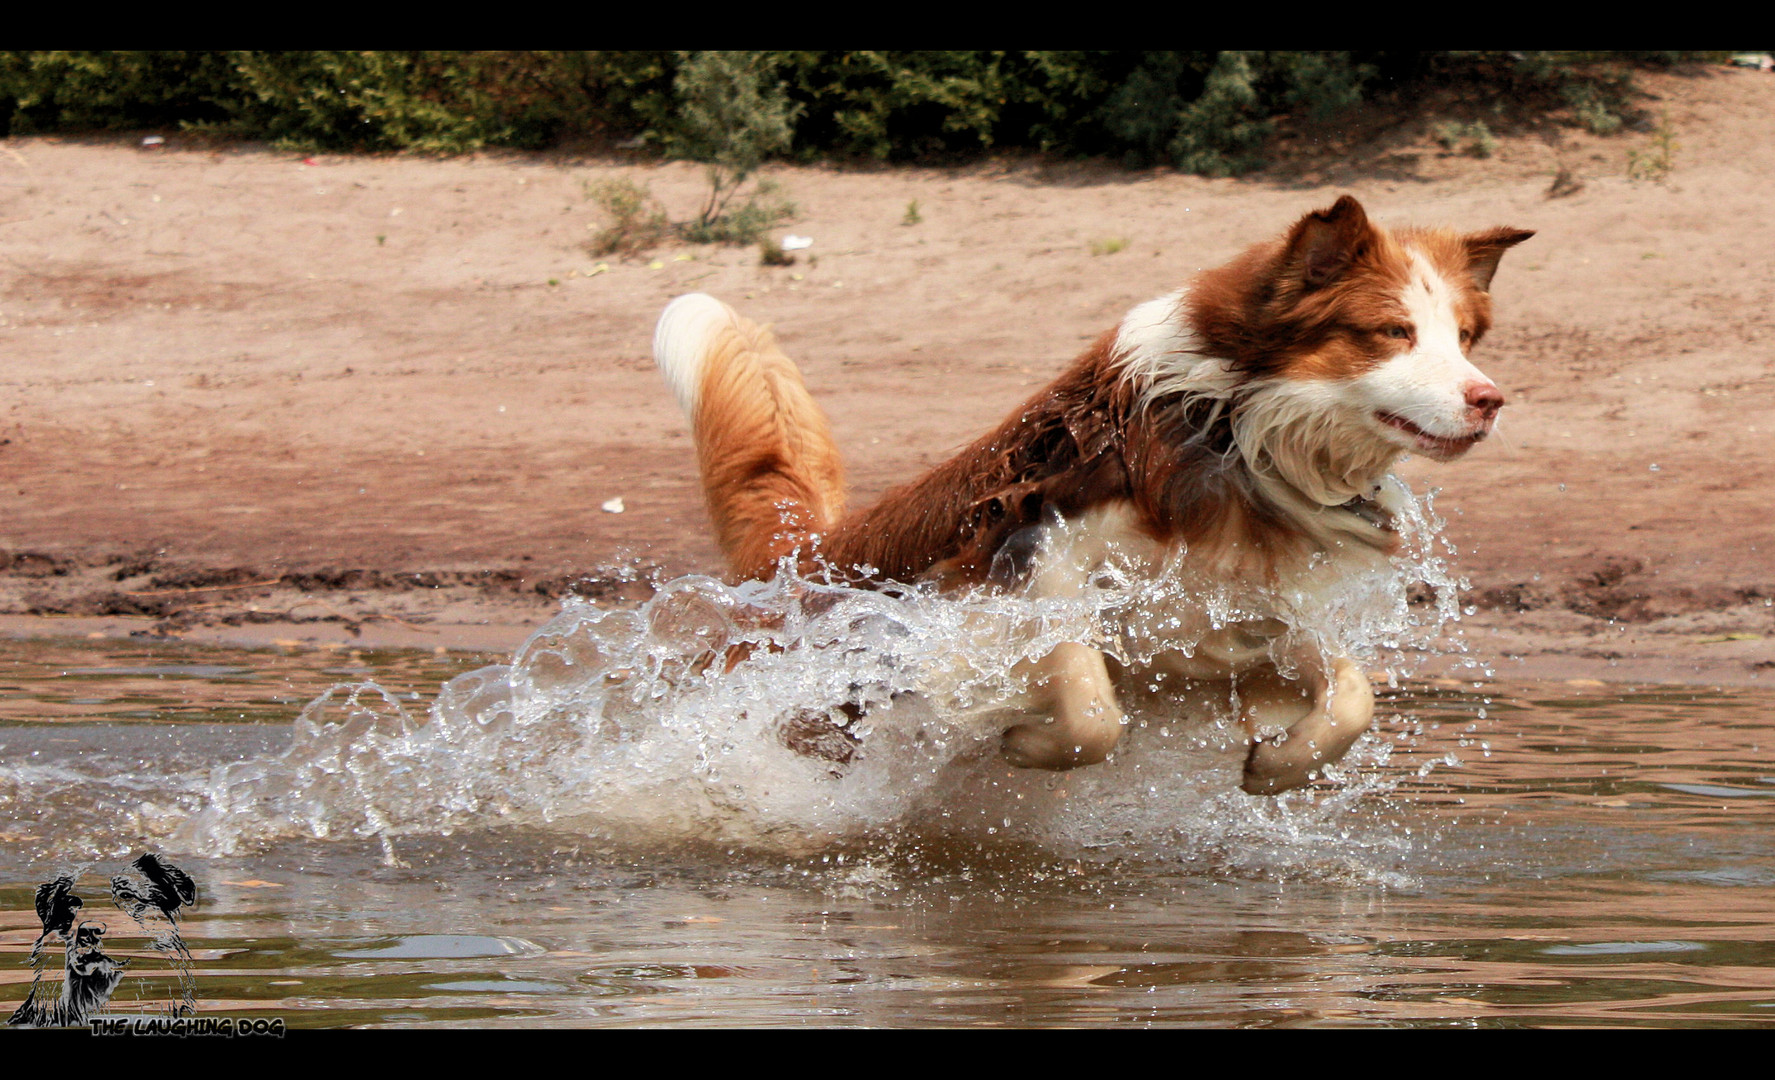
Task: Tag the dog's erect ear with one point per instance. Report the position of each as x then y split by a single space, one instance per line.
1484 249
1323 244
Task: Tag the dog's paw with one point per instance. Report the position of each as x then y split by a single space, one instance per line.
1274 766
1051 746
823 733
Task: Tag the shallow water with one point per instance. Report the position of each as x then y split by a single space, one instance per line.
1500 855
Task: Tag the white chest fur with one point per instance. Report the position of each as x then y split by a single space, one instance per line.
1211 612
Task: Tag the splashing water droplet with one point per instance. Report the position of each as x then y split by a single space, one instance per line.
790 713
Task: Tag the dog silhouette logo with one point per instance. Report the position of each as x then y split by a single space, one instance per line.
152 897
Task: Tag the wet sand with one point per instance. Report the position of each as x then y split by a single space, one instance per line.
253 397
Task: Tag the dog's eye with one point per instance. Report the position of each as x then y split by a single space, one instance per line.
1466 337
1399 331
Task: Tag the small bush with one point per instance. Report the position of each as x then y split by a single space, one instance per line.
1481 143
1657 158
763 210
731 117
637 220
1205 113
924 103
1141 114
1323 84
771 253
912 216
1592 108
1474 140
1222 132
1109 245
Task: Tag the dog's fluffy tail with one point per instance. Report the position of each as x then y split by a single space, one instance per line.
770 471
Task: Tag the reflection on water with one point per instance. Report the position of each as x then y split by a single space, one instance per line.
1501 855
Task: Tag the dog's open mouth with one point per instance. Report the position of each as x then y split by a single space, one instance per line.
1436 445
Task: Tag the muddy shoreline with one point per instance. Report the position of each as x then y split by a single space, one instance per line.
1611 632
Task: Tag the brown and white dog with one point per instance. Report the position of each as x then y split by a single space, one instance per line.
1240 430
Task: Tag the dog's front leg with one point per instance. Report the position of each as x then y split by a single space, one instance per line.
1083 722
1342 708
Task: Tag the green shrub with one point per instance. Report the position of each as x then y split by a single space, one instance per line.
895 104
1481 143
637 221
1592 107
764 209
97 91
1141 114
1657 158
1222 131
1206 111
1212 113
731 116
1474 140
426 101
311 100
1323 85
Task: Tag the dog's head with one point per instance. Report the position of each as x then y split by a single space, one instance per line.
1371 325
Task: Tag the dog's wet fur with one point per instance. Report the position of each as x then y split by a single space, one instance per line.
1243 426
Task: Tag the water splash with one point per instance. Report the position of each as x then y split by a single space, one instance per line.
691 718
